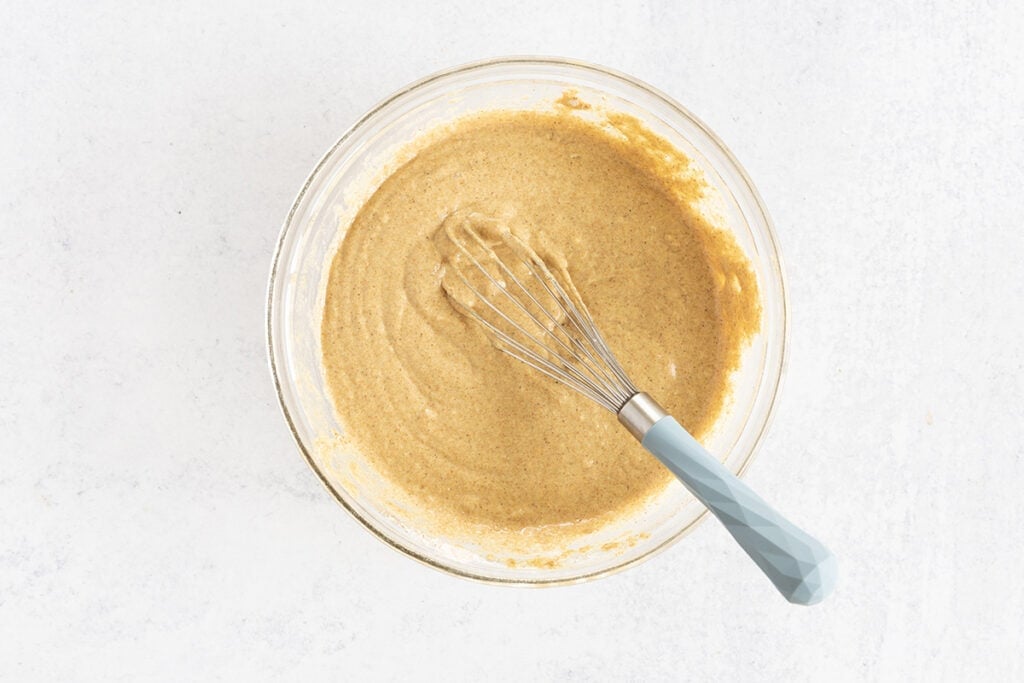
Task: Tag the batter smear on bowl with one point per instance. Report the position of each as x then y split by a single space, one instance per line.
468 433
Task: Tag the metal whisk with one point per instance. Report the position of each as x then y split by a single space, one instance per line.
531 311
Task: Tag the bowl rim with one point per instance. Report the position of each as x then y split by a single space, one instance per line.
527 61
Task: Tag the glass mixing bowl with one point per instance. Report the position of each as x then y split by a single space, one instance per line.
347 175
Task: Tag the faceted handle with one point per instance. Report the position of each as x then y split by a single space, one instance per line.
801 568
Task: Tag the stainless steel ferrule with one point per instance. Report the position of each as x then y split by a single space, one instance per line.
639 414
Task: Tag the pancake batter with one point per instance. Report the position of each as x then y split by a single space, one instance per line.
474 436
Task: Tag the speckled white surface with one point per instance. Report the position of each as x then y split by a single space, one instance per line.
156 521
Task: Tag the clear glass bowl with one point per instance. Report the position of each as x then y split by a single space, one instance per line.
346 176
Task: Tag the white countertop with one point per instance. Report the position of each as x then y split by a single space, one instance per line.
156 520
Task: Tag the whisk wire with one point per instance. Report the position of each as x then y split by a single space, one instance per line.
548 331
582 321
562 372
579 356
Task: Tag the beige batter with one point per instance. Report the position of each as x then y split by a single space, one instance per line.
467 431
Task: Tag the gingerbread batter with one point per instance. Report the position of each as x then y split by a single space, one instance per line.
469 432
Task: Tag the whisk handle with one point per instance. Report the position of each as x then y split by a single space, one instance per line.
801 568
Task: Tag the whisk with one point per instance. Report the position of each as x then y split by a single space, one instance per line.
532 311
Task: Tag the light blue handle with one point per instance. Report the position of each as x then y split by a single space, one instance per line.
801 568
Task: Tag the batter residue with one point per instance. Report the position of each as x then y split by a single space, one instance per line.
468 432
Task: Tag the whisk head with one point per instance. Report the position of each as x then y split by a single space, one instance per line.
529 308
